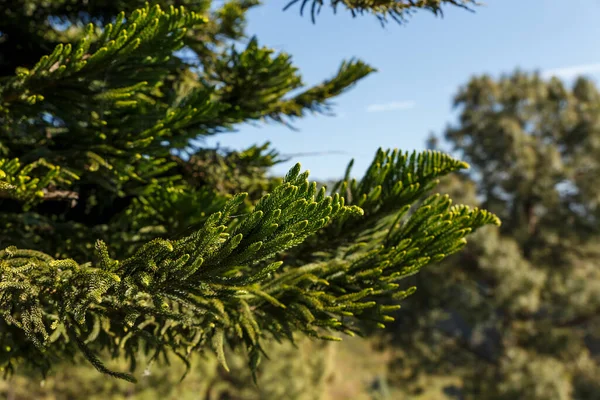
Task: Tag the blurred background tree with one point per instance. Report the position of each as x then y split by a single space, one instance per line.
517 314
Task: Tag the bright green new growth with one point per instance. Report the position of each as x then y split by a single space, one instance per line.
15 181
298 259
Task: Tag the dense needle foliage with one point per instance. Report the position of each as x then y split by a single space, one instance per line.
121 237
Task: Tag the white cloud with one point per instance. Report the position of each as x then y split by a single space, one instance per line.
393 106
572 71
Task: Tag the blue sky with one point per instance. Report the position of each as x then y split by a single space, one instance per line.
421 65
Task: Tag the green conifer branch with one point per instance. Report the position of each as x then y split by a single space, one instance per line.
315 99
130 40
398 10
18 181
216 285
388 193
108 117
257 82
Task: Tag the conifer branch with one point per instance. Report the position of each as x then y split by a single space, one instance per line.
129 38
16 181
315 99
389 193
398 10
217 285
257 82
106 112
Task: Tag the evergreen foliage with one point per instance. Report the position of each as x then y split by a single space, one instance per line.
100 181
398 10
